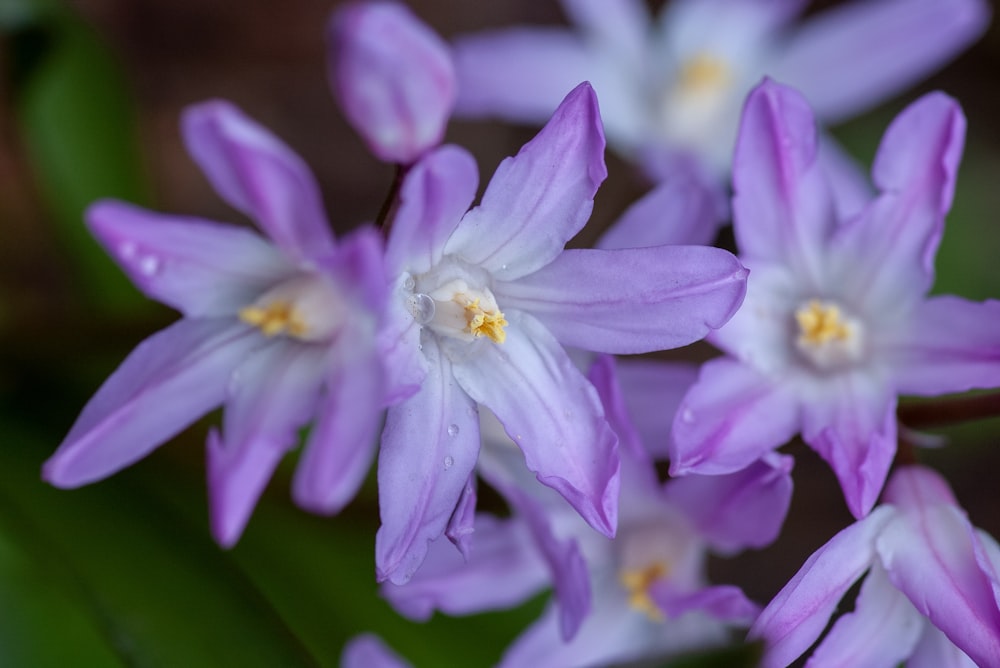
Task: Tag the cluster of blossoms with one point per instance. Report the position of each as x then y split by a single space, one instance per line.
486 344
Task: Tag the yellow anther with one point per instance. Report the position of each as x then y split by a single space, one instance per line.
637 582
703 72
275 318
821 323
485 323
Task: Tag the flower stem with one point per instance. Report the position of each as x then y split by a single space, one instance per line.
384 222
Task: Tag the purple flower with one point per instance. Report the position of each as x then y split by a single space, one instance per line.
279 332
932 595
643 595
369 651
673 85
836 321
393 76
481 303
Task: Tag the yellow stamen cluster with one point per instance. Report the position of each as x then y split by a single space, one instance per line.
276 318
821 323
485 323
637 583
702 73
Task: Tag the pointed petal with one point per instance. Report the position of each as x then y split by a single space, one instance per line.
730 418
393 76
798 614
550 410
169 381
272 395
680 211
854 429
461 526
632 300
368 651
430 444
201 268
618 26
897 236
742 509
537 200
518 74
724 602
653 391
436 192
567 568
848 59
950 345
341 447
929 555
503 571
782 207
882 630
257 174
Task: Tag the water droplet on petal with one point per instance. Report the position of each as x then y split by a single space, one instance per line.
453 430
149 265
687 416
127 249
421 307
449 462
409 283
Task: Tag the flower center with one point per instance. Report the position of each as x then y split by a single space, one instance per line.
306 307
703 73
827 337
637 582
455 308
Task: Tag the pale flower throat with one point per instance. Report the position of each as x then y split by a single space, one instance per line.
454 301
828 337
306 307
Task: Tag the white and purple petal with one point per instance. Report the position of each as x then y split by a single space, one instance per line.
852 425
257 174
435 194
551 412
540 198
631 300
430 444
882 630
796 617
859 54
201 268
503 571
782 207
271 395
170 380
738 510
730 418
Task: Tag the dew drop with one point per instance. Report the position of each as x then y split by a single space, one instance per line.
687 416
453 430
503 267
449 461
409 283
149 265
127 249
421 307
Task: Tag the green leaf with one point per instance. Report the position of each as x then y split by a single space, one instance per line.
77 124
113 562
